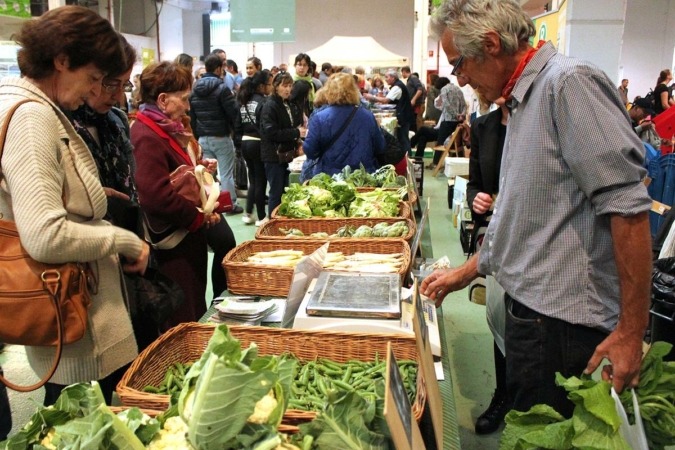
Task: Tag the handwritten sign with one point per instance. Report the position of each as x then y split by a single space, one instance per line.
427 364
397 410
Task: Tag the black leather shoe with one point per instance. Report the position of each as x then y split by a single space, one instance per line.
235 210
493 416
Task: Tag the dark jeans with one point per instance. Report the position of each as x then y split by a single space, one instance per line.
500 368
257 180
277 177
5 411
403 136
444 130
423 135
221 240
537 347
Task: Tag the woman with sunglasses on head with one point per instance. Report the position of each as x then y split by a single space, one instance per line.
50 187
251 98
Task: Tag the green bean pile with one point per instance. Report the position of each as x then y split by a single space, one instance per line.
173 380
315 379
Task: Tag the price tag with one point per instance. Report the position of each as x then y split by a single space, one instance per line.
427 364
397 411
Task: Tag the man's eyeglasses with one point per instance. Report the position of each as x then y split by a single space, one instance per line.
457 65
112 87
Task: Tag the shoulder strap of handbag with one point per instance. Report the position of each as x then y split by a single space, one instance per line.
51 283
5 126
339 133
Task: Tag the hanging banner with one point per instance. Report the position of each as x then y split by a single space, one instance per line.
147 56
15 8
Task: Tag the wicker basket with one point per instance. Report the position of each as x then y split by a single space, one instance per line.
403 211
186 343
271 229
244 277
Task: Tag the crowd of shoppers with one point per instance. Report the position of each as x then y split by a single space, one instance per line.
115 177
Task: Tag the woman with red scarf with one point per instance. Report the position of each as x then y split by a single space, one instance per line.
162 144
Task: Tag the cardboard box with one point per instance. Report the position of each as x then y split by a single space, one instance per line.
456 208
459 191
456 166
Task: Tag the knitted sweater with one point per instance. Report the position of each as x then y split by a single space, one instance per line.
50 188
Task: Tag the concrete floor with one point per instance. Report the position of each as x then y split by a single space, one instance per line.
468 338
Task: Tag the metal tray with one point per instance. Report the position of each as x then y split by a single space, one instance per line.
339 294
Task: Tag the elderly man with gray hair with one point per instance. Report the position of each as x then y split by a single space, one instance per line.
569 239
398 95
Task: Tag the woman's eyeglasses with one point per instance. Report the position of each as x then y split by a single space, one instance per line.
112 87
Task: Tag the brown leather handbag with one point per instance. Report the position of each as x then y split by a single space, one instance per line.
41 304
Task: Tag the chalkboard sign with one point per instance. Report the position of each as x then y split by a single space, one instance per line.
397 410
426 362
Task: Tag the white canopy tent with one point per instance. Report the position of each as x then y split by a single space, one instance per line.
352 51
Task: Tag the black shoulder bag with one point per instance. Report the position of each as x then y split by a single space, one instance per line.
393 150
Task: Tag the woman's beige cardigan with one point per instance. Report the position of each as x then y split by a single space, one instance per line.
45 162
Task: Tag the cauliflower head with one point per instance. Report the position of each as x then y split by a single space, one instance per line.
263 409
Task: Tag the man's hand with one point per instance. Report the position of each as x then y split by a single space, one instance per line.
624 353
647 125
623 347
481 203
443 281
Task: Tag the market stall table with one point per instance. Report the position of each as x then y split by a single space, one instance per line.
450 423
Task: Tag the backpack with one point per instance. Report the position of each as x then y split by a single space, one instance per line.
651 98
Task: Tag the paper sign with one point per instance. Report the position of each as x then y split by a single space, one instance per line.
397 410
426 361
305 271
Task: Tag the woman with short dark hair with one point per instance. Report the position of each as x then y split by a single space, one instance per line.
303 73
51 189
253 66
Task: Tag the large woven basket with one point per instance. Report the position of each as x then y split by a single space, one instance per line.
186 343
403 211
270 230
244 277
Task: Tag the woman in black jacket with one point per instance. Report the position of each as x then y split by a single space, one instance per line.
281 128
251 98
487 141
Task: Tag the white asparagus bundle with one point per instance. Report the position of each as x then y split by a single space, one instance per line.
284 258
368 262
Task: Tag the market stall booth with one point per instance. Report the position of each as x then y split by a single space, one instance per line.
352 51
